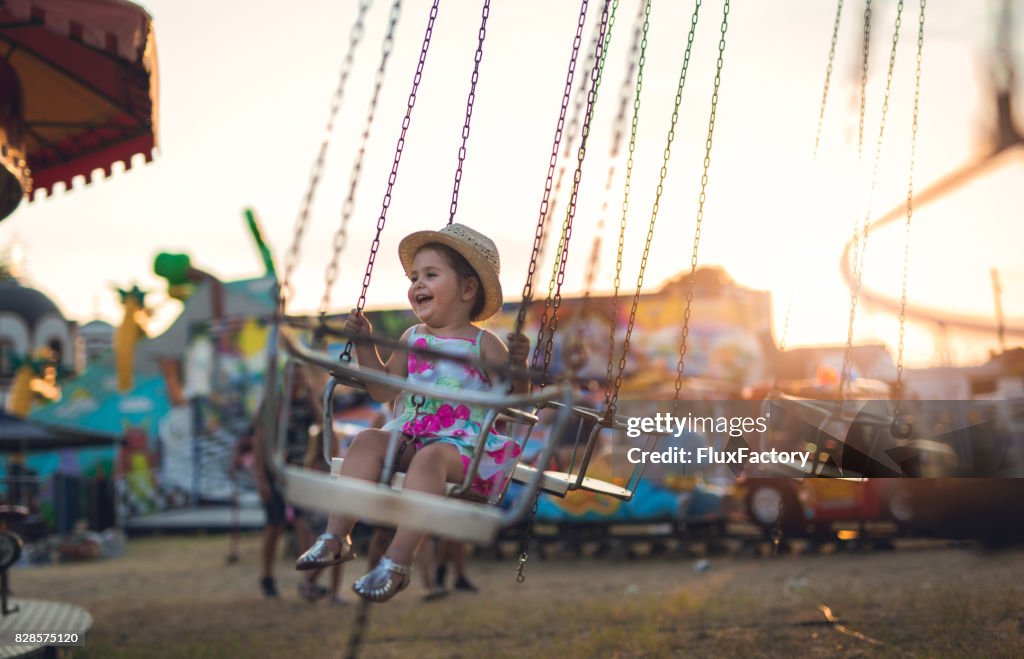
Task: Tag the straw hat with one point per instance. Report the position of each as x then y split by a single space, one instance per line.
476 248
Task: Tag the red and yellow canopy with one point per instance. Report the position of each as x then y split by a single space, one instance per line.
84 73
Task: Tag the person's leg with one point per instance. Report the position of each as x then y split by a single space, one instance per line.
271 535
425 563
273 509
336 574
428 565
268 552
379 541
363 461
441 571
431 468
457 552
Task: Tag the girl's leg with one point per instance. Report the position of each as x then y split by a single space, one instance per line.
364 461
431 468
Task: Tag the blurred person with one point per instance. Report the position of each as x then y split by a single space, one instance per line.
303 423
454 552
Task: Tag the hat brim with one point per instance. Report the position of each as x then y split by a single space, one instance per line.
489 280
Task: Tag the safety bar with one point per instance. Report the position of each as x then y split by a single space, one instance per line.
493 398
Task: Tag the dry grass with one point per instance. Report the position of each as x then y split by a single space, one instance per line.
176 597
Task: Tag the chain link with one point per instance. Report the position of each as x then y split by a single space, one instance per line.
898 392
577 111
346 355
845 373
292 255
524 553
776 533
700 204
552 164
481 35
663 173
348 206
828 75
857 252
865 52
362 622
611 395
618 131
607 18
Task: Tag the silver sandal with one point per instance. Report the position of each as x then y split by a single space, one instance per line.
320 554
382 582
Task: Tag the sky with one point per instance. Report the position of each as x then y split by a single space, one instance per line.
244 94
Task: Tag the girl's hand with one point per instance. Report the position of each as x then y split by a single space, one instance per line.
357 324
518 348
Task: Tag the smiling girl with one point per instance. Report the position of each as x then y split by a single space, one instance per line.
453 282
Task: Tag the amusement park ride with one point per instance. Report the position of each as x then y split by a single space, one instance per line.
882 428
847 436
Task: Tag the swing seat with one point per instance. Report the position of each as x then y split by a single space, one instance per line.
397 481
381 503
560 483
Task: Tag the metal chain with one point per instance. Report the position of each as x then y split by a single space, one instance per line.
618 130
552 164
355 35
898 393
570 212
593 62
481 35
346 355
611 394
349 205
828 75
865 51
579 100
578 103
666 155
817 143
700 204
776 533
524 554
857 254
355 639
844 375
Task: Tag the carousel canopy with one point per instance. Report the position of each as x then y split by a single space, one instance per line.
81 87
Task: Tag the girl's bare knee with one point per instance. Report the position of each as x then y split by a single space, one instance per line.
367 450
438 457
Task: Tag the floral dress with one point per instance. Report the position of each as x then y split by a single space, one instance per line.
455 423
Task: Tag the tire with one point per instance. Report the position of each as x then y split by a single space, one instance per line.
899 506
763 507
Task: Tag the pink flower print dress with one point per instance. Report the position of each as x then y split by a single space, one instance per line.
452 422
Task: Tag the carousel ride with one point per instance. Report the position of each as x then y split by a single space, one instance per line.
78 92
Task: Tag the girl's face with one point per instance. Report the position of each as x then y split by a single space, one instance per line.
437 296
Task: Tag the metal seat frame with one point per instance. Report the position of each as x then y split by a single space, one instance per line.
379 503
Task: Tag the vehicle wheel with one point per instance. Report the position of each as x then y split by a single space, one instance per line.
900 507
763 507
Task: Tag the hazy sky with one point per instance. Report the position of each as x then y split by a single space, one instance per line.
245 88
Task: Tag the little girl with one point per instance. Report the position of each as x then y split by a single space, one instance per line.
453 276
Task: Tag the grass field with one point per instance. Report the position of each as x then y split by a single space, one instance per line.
177 597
